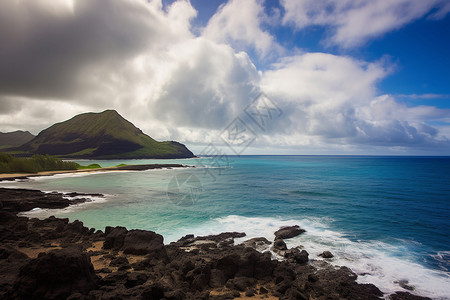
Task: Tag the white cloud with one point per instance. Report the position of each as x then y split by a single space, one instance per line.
423 96
239 23
354 22
333 99
137 58
133 56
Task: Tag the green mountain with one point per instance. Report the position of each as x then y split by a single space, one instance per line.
15 138
105 135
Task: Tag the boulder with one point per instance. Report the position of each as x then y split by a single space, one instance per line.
301 257
288 232
258 243
279 245
326 254
297 256
142 242
56 275
114 237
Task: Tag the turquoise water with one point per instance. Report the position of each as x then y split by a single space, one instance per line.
387 218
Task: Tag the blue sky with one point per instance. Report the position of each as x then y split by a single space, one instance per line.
419 51
350 77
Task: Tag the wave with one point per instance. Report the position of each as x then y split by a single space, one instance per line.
387 266
42 213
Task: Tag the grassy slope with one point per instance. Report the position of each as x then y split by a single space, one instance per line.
98 128
14 139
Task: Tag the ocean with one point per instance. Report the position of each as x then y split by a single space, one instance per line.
387 218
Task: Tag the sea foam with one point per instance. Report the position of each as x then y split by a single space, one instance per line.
380 263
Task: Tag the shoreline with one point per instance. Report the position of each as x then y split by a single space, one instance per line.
16 176
122 263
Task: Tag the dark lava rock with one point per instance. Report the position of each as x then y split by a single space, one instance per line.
18 200
114 237
56 275
104 270
245 262
293 293
11 254
217 278
250 292
241 283
142 242
279 244
302 257
223 239
134 279
119 261
188 238
406 296
294 254
326 254
258 243
336 283
288 232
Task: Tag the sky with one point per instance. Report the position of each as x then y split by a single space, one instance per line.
344 77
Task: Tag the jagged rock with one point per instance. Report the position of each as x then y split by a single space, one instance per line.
119 261
134 279
241 283
279 245
11 254
141 242
56 275
18 200
288 232
258 243
114 237
221 240
326 254
294 254
293 293
217 278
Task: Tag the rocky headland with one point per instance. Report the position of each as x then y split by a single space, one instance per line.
57 259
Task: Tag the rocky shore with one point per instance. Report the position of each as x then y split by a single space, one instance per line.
57 259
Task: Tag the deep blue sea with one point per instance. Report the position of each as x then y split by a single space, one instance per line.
387 218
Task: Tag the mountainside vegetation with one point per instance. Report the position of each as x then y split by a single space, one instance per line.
14 139
37 163
105 135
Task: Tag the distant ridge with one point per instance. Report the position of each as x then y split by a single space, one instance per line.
15 138
105 135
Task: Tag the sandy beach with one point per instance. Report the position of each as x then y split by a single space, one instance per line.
11 176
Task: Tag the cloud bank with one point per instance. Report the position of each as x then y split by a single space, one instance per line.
60 58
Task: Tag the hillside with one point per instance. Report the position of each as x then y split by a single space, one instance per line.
15 138
105 135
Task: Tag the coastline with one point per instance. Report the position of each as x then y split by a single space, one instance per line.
136 263
12 177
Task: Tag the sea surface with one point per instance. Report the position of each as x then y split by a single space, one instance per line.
387 218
